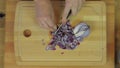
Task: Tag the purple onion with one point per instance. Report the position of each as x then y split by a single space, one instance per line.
64 38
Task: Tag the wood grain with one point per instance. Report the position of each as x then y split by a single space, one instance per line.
89 52
9 58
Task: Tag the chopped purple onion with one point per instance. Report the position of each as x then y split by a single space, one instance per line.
64 38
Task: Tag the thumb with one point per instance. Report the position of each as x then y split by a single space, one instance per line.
81 2
67 8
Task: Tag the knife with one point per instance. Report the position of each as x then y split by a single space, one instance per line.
60 25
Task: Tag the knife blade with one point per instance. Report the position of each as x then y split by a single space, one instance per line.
60 25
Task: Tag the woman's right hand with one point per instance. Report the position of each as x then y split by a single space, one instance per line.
74 6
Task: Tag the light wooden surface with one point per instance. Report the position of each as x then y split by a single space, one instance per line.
91 51
9 61
1 46
2 5
2 10
2 21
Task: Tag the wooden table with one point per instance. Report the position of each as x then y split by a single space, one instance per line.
9 56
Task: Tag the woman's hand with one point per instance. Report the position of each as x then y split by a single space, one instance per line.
74 6
45 14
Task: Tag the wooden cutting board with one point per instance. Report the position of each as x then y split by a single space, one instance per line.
31 51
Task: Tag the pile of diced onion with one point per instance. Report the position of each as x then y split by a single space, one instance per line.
64 38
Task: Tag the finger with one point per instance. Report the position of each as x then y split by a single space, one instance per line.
52 21
43 24
40 22
50 24
75 7
80 4
64 20
68 6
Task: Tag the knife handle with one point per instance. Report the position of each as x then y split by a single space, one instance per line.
69 13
